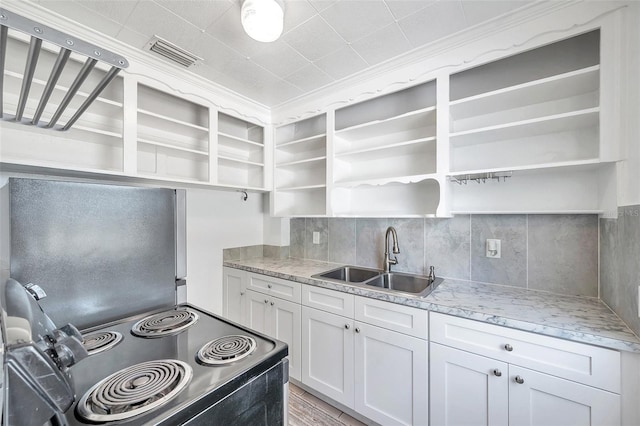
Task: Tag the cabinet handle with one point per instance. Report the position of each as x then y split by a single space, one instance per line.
497 373
266 301
271 303
242 293
347 326
357 329
268 285
519 380
508 347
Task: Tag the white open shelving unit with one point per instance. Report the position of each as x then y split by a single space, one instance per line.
542 125
385 155
172 137
241 153
300 178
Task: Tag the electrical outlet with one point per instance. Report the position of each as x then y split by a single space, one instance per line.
493 249
316 237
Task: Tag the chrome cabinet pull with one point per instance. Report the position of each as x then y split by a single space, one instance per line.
268 285
266 301
508 347
271 303
357 329
519 380
347 326
497 373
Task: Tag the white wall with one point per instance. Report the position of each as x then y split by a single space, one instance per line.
217 220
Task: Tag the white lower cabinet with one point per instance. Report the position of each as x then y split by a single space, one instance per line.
279 319
327 354
537 399
468 388
380 373
234 287
391 376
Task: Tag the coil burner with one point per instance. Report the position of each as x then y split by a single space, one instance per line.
226 349
134 390
100 341
164 323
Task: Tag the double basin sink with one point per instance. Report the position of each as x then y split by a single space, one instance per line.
416 285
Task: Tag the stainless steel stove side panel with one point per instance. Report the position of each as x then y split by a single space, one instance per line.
101 252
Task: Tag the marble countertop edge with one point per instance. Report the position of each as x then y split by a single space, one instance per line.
465 299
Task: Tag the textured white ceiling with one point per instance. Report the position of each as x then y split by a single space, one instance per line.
324 41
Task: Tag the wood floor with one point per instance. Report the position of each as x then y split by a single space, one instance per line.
307 410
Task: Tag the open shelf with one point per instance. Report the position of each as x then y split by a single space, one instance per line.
418 199
398 124
405 160
166 119
167 162
301 174
571 188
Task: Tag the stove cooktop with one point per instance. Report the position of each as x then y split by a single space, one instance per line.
209 381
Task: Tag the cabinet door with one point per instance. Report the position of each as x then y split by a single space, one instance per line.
327 354
285 318
467 389
256 312
391 376
233 291
544 400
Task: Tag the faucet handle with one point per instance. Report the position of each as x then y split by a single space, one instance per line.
432 273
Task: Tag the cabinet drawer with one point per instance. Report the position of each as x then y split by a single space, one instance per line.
288 290
574 361
332 301
400 318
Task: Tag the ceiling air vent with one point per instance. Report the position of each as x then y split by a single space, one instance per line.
172 52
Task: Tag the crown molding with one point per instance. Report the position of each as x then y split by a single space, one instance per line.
432 58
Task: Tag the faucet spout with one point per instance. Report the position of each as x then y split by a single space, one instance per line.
388 260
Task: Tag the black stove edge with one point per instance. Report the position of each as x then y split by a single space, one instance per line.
206 401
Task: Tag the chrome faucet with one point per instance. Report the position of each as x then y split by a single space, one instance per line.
388 261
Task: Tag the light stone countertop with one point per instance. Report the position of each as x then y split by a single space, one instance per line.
581 319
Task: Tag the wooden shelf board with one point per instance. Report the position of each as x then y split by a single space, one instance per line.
173 147
239 139
172 120
386 120
237 160
533 167
549 124
390 146
536 88
299 188
299 162
302 140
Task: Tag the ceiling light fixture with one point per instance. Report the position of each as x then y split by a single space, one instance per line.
262 20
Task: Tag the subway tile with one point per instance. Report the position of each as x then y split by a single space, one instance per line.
317 251
411 242
563 254
370 242
297 231
447 246
511 268
342 240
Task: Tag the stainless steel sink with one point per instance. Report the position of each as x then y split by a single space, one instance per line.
349 274
417 285
405 283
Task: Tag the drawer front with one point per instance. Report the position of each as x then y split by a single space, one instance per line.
400 318
332 301
574 361
288 290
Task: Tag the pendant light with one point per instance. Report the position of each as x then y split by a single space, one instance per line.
262 20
